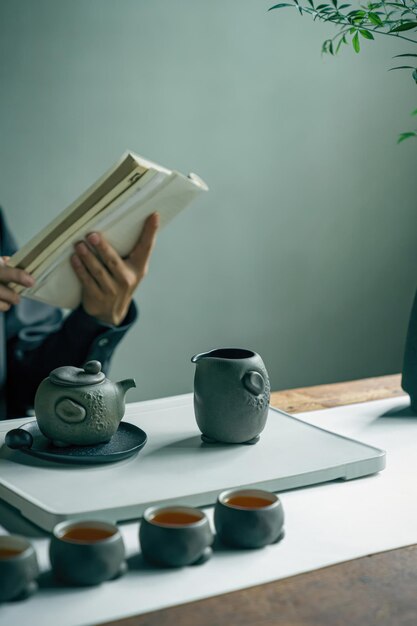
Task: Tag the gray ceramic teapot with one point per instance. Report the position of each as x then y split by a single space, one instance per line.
231 395
80 406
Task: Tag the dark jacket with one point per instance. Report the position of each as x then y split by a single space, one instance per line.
35 338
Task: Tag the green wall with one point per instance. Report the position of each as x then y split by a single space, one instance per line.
305 248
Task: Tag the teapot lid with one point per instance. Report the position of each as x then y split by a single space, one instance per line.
69 376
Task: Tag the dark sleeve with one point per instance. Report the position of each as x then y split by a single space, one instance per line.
41 347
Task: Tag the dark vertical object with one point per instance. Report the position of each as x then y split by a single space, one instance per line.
3 413
409 373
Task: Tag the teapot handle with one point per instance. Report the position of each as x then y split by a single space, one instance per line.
254 382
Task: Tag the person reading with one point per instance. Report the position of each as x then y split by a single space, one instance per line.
36 337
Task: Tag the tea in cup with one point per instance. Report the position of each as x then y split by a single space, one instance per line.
18 568
87 552
248 518
175 536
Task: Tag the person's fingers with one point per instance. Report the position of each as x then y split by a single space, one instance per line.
87 281
95 268
8 296
140 254
15 275
111 259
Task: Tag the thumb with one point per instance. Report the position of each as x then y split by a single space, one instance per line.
144 245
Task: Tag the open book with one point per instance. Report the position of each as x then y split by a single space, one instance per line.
117 205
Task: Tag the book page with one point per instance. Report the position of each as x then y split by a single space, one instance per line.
28 253
111 214
59 285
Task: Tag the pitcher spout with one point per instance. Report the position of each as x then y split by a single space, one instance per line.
199 357
234 354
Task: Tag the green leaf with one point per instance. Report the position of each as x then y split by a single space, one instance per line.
279 6
414 75
397 56
366 34
405 136
339 44
355 42
375 19
344 6
414 112
403 27
402 67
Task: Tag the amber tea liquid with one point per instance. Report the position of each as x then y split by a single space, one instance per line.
248 502
86 533
175 518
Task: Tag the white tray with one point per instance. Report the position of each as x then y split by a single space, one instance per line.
176 467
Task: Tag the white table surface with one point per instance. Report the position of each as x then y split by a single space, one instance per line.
324 524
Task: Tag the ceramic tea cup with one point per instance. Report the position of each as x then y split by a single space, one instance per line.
18 568
248 518
87 552
175 536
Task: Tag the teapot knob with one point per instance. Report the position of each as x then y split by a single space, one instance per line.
92 367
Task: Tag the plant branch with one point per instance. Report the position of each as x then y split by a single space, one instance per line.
397 18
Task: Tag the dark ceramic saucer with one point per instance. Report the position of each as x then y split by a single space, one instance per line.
127 440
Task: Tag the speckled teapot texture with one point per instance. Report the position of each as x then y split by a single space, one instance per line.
80 406
231 395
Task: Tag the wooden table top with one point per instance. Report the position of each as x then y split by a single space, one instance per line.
363 592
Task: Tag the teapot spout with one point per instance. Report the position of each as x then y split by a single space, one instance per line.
122 387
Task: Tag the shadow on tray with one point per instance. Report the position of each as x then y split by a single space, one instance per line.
12 521
400 412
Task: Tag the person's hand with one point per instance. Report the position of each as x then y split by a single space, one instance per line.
107 280
11 275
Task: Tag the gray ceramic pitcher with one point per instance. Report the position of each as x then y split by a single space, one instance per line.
231 395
